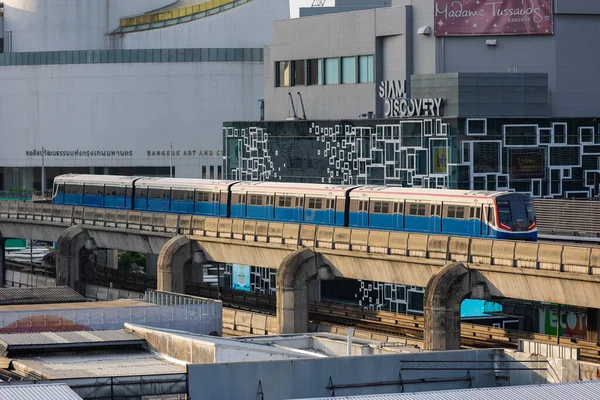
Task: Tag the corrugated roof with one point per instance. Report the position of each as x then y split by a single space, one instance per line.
38 392
573 390
39 295
54 340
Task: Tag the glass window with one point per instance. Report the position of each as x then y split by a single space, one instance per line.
282 74
349 70
315 72
299 72
332 71
212 172
365 69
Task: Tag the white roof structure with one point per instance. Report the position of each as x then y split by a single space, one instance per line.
183 183
573 390
58 391
284 188
111 180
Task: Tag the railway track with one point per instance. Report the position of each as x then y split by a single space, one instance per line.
410 326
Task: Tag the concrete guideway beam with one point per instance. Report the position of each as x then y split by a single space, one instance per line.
443 297
295 273
174 256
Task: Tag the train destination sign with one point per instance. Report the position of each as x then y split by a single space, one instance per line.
397 105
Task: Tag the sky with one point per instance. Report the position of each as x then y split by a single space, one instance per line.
296 4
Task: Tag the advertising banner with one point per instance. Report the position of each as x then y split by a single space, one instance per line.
526 163
240 277
493 17
571 324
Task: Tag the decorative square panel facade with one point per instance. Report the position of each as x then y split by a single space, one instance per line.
541 157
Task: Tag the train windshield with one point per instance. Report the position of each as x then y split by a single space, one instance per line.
516 214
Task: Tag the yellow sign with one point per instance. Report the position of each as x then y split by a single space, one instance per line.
440 160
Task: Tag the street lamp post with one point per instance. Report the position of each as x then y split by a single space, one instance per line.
43 173
171 160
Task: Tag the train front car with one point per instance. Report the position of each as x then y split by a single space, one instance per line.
105 191
515 217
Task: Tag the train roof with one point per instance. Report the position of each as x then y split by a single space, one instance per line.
418 193
288 188
116 180
183 183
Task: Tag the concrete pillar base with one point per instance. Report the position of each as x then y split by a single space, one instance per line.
443 297
293 277
112 259
69 250
175 255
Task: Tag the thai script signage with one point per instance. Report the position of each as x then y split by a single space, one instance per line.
493 17
79 153
397 105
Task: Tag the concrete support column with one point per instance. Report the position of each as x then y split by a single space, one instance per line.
151 264
69 250
175 255
2 261
112 259
593 318
443 297
293 277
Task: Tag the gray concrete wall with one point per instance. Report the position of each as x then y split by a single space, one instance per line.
310 378
344 6
335 35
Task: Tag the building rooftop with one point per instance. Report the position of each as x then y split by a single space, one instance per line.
12 342
38 392
39 295
122 303
97 364
573 390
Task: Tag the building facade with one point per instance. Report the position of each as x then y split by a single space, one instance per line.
127 86
434 93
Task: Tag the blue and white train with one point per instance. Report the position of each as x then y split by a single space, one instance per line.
502 215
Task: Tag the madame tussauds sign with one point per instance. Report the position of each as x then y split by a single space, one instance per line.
397 105
493 17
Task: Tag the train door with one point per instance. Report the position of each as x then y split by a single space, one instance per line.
435 218
488 220
474 224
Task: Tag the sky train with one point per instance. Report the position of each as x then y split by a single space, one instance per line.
502 215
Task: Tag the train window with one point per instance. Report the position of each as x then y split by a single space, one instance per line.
472 212
417 209
202 197
315 204
286 201
381 207
177 195
478 213
73 189
457 212
113 191
432 210
395 208
140 193
460 212
158 194
438 210
92 190
128 191
256 200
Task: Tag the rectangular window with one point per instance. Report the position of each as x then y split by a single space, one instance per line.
315 204
365 69
417 209
282 74
219 172
204 172
332 71
202 197
348 69
92 190
212 172
315 72
381 207
299 71
285 201
256 200
140 193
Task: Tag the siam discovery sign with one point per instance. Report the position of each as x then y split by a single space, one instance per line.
493 17
397 105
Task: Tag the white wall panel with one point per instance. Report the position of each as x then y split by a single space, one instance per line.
248 25
127 107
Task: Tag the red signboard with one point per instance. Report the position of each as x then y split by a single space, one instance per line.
493 17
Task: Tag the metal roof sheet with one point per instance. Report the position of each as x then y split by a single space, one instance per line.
53 340
39 295
573 390
37 392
